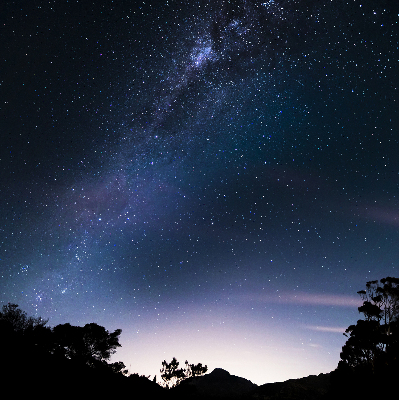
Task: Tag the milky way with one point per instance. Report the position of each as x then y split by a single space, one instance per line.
226 170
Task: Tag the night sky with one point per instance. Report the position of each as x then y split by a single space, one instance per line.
216 178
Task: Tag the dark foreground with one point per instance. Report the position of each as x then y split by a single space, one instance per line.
50 377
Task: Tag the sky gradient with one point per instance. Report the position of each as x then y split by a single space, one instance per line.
218 179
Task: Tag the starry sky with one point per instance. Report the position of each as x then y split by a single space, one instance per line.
216 178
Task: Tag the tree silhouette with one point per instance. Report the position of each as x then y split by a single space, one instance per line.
373 341
369 363
118 367
92 344
26 334
172 375
18 321
195 370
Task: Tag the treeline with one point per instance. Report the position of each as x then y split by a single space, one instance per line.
66 359
91 345
74 358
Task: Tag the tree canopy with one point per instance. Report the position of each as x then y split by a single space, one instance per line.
91 344
17 320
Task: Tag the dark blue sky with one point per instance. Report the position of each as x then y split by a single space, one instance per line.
218 179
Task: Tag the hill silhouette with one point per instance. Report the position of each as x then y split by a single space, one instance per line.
220 384
312 387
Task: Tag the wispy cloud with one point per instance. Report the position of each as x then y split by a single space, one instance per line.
383 215
321 299
315 299
332 329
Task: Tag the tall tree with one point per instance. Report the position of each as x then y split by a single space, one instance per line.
369 364
374 340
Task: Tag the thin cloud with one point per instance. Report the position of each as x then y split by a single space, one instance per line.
382 215
317 299
332 329
321 299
